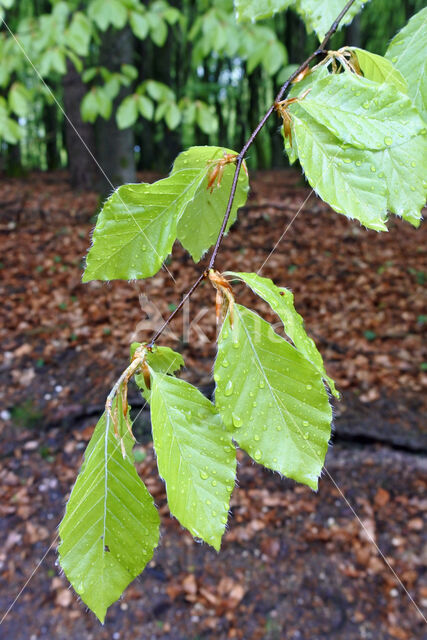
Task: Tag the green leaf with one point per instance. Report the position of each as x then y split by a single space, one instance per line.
52 60
137 226
127 113
272 398
77 36
19 99
146 108
104 102
362 113
139 25
135 231
10 130
129 71
200 222
158 28
379 69
106 12
407 52
250 10
274 57
281 301
402 168
340 174
173 115
319 15
111 526
195 456
159 91
206 118
358 182
89 107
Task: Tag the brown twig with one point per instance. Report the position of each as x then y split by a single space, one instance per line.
239 161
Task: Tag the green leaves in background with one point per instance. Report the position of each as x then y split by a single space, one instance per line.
281 301
19 99
131 107
195 456
10 131
318 15
271 398
139 223
79 33
106 13
359 166
258 9
407 52
110 527
258 45
5 4
96 103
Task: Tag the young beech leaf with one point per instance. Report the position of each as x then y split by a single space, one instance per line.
282 302
202 216
272 398
342 175
135 231
407 52
161 360
252 10
111 525
318 15
361 112
379 69
360 183
195 456
137 226
402 168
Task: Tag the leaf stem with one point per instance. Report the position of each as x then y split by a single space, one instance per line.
239 161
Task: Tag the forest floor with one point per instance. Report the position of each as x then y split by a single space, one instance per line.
294 564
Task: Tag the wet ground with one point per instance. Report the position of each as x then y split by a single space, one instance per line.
294 564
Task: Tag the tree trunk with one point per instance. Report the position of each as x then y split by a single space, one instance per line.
50 118
353 33
115 147
14 166
262 141
80 164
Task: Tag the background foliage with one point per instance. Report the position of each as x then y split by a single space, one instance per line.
189 68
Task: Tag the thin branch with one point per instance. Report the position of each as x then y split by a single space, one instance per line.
241 157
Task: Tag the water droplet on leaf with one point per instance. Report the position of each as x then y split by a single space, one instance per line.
237 421
228 388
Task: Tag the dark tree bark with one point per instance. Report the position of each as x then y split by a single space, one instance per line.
262 141
51 126
80 164
353 33
115 147
13 162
